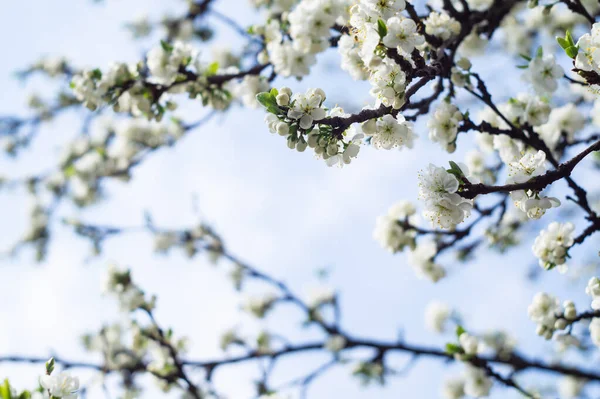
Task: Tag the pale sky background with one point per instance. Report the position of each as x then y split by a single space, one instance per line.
280 210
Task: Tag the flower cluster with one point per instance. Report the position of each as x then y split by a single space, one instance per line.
437 315
388 132
308 26
552 244
475 383
439 189
299 118
563 121
422 259
258 306
120 284
391 229
58 385
443 125
441 25
545 310
532 164
543 73
588 57
165 61
526 109
593 290
110 342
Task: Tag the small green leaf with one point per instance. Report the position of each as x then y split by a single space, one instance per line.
522 66
381 28
563 42
540 52
168 47
212 69
454 166
460 331
25 395
274 92
265 99
525 57
97 74
50 366
69 171
569 38
453 348
268 101
572 51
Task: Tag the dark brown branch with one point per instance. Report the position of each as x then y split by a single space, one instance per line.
537 183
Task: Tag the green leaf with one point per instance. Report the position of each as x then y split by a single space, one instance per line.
97 74
460 331
453 348
274 92
168 47
69 171
454 166
540 52
264 98
50 366
268 101
572 51
525 57
5 390
563 42
569 38
522 66
25 395
381 28
212 69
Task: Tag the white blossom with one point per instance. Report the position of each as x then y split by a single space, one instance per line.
389 231
570 387
307 108
543 73
477 383
454 388
552 244
60 385
164 61
444 206
593 290
543 311
422 260
443 125
437 315
402 34
441 25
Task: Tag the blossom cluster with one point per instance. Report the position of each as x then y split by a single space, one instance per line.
299 118
552 244
546 311
391 229
120 284
532 164
439 190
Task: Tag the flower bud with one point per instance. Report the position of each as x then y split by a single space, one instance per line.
332 149
560 324
301 146
282 99
464 63
312 140
283 129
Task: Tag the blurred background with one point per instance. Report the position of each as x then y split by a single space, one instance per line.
282 211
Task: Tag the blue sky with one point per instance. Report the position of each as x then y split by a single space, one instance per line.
280 210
